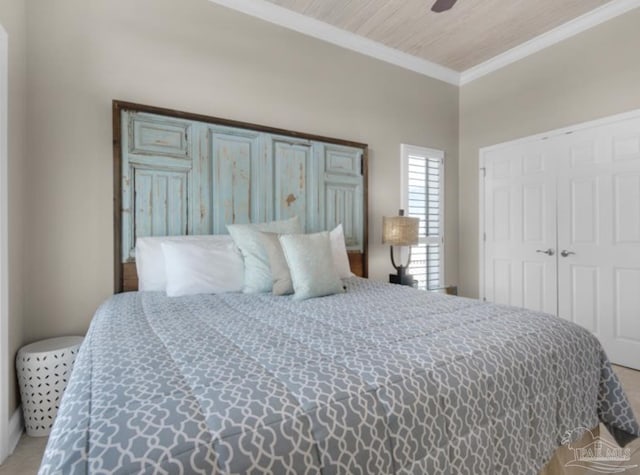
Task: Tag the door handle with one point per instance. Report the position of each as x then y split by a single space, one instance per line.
548 252
566 253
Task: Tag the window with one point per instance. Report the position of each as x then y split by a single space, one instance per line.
423 197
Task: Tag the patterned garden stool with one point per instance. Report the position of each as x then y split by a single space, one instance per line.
43 371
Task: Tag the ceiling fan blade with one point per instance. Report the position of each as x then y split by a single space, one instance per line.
442 5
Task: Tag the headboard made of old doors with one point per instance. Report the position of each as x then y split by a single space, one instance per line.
181 174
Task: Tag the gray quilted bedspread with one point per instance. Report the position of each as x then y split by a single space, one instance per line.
381 379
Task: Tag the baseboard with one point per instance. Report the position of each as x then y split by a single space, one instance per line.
16 427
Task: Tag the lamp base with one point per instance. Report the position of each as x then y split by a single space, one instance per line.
402 279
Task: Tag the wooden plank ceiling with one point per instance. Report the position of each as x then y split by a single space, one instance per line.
472 32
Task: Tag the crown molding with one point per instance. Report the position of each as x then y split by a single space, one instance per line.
281 16
566 30
323 31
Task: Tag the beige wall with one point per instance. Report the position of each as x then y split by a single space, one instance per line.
199 58
592 75
13 19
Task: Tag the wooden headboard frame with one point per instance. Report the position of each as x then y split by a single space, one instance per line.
125 275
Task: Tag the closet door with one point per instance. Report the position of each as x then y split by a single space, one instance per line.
584 203
599 236
520 227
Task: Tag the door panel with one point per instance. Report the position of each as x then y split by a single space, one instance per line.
156 136
534 290
501 282
599 283
235 162
626 146
292 163
157 172
583 210
342 205
341 193
519 222
533 212
583 189
583 293
160 203
501 199
623 140
627 305
626 195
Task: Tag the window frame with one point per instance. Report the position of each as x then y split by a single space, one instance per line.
407 150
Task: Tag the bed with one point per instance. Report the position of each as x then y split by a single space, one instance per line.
378 379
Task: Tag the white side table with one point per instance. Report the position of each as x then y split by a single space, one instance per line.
43 371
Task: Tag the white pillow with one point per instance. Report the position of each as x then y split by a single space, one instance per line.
339 252
202 267
150 258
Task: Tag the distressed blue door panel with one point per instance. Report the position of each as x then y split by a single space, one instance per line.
156 135
343 204
263 197
342 160
199 193
157 173
293 179
158 162
159 206
235 177
160 203
187 177
342 192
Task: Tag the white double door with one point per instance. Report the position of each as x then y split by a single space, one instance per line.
561 222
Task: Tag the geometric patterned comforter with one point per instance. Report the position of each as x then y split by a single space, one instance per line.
381 379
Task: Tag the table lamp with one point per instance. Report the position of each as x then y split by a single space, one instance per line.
400 231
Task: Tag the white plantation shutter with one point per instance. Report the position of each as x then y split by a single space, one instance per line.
423 197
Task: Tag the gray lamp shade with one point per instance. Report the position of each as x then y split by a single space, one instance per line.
400 230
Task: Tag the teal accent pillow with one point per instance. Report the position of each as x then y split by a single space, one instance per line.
311 265
247 237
